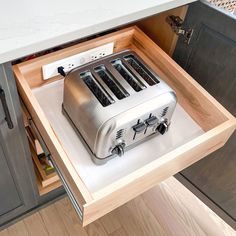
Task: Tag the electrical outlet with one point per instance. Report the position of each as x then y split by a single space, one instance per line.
68 63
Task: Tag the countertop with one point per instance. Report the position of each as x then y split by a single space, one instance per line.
30 26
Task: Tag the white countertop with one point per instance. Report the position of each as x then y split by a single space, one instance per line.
28 26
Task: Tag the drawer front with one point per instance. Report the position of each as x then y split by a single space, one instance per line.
95 191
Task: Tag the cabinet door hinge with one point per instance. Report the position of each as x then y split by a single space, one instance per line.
176 23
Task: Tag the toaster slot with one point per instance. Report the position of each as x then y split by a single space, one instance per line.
141 70
134 82
104 98
111 82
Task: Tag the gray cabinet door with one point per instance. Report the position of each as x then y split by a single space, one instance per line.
211 60
17 180
9 197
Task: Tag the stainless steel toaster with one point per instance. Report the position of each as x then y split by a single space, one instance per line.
116 102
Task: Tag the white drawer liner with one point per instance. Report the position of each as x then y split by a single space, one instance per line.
183 129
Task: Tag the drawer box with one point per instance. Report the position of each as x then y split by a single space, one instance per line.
46 180
200 126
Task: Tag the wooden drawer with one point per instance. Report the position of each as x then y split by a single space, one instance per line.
46 180
200 126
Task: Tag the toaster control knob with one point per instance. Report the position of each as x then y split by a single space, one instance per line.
118 150
140 127
162 127
151 121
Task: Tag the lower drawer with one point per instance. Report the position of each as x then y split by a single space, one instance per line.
200 126
47 178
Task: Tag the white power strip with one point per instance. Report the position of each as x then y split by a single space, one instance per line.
50 70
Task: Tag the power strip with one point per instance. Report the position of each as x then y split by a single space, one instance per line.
51 70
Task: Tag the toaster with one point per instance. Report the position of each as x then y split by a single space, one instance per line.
115 103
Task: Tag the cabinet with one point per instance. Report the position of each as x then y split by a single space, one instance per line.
9 196
211 59
17 192
213 123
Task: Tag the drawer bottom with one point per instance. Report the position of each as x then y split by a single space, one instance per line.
182 129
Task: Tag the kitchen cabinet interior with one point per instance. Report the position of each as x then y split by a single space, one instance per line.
157 28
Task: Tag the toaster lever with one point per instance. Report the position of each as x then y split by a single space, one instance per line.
140 127
151 121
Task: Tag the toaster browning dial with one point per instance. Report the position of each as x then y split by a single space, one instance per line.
118 149
162 127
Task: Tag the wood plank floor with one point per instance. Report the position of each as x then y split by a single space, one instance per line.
166 210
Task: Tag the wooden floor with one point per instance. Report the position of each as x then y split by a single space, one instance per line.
169 209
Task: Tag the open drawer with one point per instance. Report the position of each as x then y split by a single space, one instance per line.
200 126
47 178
